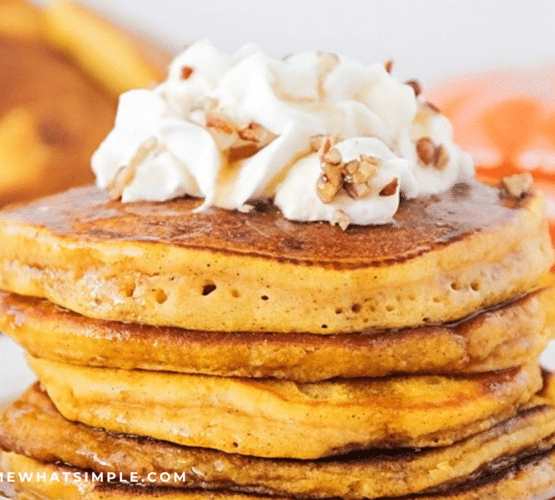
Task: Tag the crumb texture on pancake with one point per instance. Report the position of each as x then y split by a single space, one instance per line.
258 272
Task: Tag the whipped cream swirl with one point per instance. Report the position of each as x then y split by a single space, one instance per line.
322 136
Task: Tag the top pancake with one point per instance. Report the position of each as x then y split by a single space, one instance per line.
443 257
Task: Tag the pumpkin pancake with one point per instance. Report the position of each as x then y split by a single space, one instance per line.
34 428
495 339
522 477
444 257
276 418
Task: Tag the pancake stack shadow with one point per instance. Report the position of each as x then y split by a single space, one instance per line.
227 355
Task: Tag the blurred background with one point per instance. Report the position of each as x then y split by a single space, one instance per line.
428 39
488 64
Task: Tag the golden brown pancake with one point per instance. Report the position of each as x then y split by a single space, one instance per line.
52 118
503 337
34 428
165 264
530 478
279 418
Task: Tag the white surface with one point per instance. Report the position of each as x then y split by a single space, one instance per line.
15 376
428 39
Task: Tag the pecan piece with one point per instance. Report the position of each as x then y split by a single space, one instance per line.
517 185
416 87
125 174
331 156
428 153
237 143
391 188
331 179
441 157
186 72
340 219
425 149
220 123
358 174
357 190
256 133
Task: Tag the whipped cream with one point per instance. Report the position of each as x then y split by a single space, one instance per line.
322 136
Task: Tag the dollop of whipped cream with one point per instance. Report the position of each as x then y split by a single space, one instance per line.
321 136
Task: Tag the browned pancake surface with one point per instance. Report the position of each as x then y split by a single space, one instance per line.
494 339
421 225
443 258
33 427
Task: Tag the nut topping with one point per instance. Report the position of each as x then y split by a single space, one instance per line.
254 132
425 149
340 219
237 143
186 72
517 185
125 174
358 174
355 176
220 123
332 156
441 157
428 153
391 188
388 65
331 180
415 85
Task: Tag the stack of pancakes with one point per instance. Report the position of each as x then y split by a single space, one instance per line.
221 354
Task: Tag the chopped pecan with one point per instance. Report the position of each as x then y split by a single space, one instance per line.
425 149
361 172
331 179
517 185
340 219
428 153
327 189
317 141
256 133
125 174
186 72
358 174
357 190
237 143
391 188
441 157
220 123
251 139
322 143
331 156
416 87
388 65
241 150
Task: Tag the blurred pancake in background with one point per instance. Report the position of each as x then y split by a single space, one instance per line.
55 108
506 120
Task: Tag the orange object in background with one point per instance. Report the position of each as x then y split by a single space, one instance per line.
506 120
